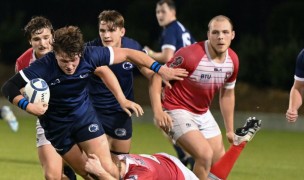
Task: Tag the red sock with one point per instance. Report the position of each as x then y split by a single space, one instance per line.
222 167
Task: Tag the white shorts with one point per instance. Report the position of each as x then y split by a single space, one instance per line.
186 171
40 137
185 121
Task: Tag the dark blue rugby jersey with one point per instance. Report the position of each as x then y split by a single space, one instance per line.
100 95
68 93
300 66
175 36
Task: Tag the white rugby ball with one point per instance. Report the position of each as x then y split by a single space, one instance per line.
37 90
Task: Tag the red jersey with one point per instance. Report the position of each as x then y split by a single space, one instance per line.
205 78
25 60
150 167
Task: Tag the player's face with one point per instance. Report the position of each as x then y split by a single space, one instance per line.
41 41
220 35
164 14
66 63
109 35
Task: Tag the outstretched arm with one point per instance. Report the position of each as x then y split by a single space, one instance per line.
141 59
295 101
110 80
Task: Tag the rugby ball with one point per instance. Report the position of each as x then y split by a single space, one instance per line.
37 90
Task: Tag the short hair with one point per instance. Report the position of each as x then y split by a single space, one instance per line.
36 23
114 18
220 18
69 40
170 3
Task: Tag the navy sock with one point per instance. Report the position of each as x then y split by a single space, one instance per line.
180 153
68 171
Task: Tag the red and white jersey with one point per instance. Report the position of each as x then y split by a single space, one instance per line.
150 167
205 78
25 60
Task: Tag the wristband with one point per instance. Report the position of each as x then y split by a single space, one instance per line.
23 103
155 66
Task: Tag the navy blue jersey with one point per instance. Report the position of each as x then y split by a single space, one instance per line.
299 73
101 96
175 36
68 93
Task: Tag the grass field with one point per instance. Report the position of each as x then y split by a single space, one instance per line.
272 155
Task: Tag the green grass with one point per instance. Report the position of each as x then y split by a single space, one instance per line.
271 155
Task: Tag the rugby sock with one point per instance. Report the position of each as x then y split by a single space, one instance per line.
118 153
180 154
222 167
68 171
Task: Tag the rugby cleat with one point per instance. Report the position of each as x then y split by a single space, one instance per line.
8 115
247 132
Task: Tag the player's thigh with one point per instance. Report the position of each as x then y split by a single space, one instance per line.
119 146
100 147
50 160
217 146
196 145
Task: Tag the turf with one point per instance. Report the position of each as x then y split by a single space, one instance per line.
271 155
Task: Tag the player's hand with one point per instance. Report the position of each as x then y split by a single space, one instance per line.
172 74
148 50
37 109
128 105
93 165
230 136
163 120
291 115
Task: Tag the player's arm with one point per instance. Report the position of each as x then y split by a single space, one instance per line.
141 59
11 90
110 80
295 100
227 103
93 166
163 57
161 118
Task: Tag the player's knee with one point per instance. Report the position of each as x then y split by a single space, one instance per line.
204 158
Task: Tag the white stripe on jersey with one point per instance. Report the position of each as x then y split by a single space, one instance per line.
169 46
23 76
298 78
111 55
181 26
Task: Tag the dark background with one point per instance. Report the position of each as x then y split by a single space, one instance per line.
269 34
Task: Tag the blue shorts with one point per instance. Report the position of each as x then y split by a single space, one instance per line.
64 134
117 125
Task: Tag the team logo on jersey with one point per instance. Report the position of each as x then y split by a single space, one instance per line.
83 75
177 61
127 65
57 81
120 132
93 127
217 69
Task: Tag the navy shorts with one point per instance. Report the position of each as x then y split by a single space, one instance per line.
117 125
64 134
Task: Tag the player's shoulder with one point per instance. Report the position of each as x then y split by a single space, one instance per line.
130 43
94 42
27 55
197 48
300 56
233 54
